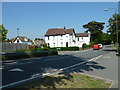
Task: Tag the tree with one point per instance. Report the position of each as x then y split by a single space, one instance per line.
112 27
37 39
3 33
105 38
95 28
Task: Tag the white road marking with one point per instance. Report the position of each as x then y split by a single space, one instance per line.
12 63
25 63
18 82
16 69
93 59
16 64
14 83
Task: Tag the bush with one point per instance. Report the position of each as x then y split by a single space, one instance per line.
92 43
20 55
65 48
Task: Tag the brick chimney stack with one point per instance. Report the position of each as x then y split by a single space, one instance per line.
64 27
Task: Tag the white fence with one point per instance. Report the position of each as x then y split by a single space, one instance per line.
10 47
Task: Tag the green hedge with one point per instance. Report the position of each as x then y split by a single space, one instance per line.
20 55
36 49
66 48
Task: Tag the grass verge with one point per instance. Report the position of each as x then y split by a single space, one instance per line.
73 80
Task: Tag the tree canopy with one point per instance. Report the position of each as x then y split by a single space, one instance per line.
113 29
3 33
95 28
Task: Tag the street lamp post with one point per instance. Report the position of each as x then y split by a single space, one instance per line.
116 24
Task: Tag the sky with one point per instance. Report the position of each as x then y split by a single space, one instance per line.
34 18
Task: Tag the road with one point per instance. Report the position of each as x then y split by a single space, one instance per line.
19 71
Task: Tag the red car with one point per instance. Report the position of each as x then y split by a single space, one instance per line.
96 47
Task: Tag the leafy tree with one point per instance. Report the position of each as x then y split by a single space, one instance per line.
95 28
37 38
112 27
105 38
3 33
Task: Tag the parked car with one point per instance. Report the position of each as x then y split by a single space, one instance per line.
96 47
100 45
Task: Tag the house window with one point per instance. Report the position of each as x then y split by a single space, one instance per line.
61 37
82 38
54 44
48 37
78 38
48 45
53 38
61 43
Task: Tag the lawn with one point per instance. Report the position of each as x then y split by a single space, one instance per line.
74 80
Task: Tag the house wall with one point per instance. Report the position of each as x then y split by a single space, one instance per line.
61 40
82 40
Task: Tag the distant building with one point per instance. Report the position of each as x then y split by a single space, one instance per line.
21 39
39 42
62 37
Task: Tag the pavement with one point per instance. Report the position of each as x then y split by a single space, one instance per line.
101 63
110 62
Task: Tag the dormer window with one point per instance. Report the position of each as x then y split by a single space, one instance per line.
25 39
17 40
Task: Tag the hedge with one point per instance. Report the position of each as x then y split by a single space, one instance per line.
21 55
66 48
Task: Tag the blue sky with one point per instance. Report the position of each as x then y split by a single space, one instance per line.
34 18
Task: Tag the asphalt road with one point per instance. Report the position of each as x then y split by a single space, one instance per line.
20 70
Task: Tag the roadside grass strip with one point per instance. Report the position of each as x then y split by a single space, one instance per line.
71 80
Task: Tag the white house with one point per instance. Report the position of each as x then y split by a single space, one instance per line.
82 38
21 39
62 37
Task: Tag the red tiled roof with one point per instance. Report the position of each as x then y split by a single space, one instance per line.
59 31
81 34
21 38
69 31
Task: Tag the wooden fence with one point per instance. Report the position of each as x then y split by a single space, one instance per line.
10 47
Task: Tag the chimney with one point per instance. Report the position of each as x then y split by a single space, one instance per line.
64 27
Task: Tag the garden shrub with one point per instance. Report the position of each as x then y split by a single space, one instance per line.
66 48
20 55
92 43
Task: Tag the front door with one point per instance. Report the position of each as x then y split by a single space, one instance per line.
66 44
